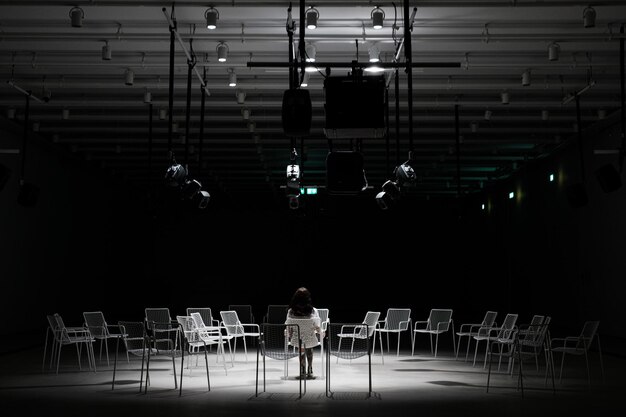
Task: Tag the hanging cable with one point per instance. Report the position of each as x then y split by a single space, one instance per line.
201 133
25 138
458 150
622 99
172 27
191 63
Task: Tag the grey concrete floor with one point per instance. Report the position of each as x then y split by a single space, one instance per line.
404 385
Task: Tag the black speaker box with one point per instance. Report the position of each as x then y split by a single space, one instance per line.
577 195
609 178
296 112
344 172
5 174
28 194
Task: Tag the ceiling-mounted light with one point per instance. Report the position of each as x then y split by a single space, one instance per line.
374 68
488 114
504 97
526 78
374 53
147 97
601 114
211 15
388 196
241 97
36 126
232 79
378 16
310 68
245 113
129 77
162 114
474 127
175 127
545 115
222 52
65 114
553 51
312 15
11 113
310 52
305 79
251 127
589 17
76 16
106 51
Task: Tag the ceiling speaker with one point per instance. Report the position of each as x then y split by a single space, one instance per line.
609 178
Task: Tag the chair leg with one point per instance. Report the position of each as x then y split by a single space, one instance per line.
469 342
430 337
436 343
413 347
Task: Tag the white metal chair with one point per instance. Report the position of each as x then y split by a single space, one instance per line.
579 346
64 336
360 347
361 331
397 320
490 334
311 334
205 313
99 329
212 335
470 330
136 343
439 321
194 343
236 329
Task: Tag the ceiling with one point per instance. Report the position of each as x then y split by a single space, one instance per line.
490 42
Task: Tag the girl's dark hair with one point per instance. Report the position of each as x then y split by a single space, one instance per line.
300 304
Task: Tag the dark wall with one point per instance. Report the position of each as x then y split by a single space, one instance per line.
90 244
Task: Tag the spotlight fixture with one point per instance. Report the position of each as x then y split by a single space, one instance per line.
545 115
129 77
388 196
601 114
245 113
222 52
177 178
251 127
378 16
46 95
293 179
305 79
474 127
76 16
526 78
11 113
65 114
310 52
147 97
232 79
374 53
310 68
488 114
589 17
211 15
504 97
106 51
175 175
241 97
553 51
175 127
374 68
405 175
312 15
162 114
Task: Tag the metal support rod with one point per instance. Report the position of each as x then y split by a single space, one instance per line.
182 44
580 139
150 144
409 71
622 99
458 149
290 29
387 167
301 48
201 133
171 86
25 138
354 64
397 92
21 90
188 114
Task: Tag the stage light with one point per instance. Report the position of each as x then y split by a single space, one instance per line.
147 97
129 77
310 52
474 127
241 97
310 68
511 195
545 115
162 114
175 175
76 16
526 78
405 175
201 199
551 177
107 53
553 51
305 79
374 53
601 114
374 69
11 113
232 79
189 188
589 17
312 15
293 179
388 196
488 114
211 15
245 113
378 17
65 114
504 97
222 52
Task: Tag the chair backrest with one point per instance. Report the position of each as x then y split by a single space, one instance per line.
587 334
490 318
439 319
371 319
244 312
276 313
198 321
507 330
95 322
397 319
157 315
308 327
205 313
323 313
230 320
275 340
133 335
61 330
189 329
356 347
